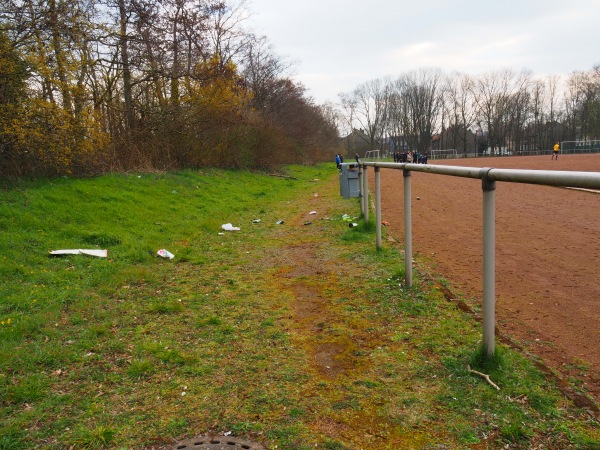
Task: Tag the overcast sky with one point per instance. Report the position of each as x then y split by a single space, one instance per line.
338 44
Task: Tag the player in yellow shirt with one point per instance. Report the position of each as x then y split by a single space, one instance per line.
555 151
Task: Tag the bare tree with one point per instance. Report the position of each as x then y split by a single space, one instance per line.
582 104
459 101
500 98
348 108
331 115
421 96
593 127
261 70
573 99
229 41
367 105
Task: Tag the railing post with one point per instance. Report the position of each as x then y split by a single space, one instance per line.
366 194
378 206
360 187
489 263
407 230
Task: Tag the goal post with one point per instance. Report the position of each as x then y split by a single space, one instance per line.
450 153
372 154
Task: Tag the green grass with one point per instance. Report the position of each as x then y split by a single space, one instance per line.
292 335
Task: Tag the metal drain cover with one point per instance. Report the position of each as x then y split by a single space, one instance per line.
217 443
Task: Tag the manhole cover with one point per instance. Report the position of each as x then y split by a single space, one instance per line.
217 443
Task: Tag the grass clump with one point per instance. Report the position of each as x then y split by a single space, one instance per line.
141 369
98 437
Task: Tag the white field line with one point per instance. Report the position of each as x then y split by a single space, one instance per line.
586 190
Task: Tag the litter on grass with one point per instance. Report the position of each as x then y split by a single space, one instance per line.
229 227
165 253
279 222
256 221
312 213
79 251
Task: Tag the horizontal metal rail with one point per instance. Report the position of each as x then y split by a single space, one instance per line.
489 177
586 180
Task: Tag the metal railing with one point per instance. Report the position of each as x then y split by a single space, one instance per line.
488 177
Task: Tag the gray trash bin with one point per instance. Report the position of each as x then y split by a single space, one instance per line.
349 186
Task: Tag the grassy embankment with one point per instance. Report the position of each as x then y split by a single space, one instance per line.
295 335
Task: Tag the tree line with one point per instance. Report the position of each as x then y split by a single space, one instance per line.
90 86
504 109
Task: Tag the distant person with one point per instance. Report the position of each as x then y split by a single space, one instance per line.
341 158
338 160
357 158
555 151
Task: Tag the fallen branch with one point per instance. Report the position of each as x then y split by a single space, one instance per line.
487 377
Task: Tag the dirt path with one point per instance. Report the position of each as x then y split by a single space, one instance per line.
307 272
547 250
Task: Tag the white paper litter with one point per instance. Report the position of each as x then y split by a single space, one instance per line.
79 251
165 253
229 227
312 213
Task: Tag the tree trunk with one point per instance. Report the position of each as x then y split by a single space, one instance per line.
59 55
127 90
